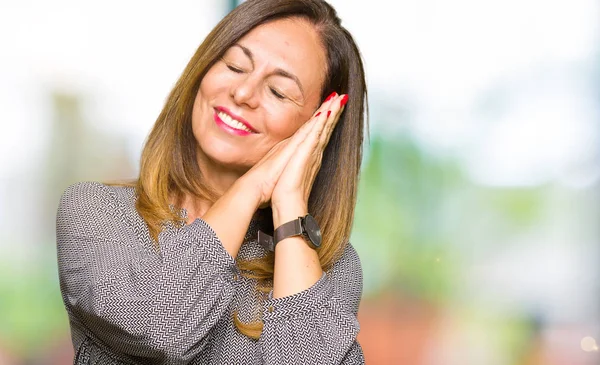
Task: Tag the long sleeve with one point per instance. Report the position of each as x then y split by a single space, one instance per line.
318 325
158 307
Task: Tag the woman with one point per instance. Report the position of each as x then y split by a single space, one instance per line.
177 267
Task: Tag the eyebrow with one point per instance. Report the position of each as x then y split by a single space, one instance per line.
278 71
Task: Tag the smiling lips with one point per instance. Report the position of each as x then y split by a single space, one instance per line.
232 123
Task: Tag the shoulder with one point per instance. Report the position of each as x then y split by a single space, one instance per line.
349 260
81 197
91 193
91 209
347 270
84 191
347 277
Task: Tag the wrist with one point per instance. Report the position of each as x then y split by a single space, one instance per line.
243 187
288 212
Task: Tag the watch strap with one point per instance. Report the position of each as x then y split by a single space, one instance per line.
289 229
266 241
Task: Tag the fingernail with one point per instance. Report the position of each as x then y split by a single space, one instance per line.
344 100
319 113
331 96
328 113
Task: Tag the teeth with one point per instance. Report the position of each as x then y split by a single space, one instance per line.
232 122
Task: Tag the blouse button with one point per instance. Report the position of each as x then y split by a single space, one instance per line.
235 277
271 309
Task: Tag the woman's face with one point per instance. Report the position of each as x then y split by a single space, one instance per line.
260 92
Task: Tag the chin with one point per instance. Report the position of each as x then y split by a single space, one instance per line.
227 159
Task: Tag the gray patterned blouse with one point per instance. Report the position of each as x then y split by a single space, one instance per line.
128 303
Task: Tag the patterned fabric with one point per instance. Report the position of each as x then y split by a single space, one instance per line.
129 303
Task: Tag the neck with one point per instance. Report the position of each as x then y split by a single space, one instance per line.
216 177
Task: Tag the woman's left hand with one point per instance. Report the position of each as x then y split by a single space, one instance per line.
290 195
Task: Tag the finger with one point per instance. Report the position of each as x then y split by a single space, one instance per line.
308 125
324 105
337 108
314 135
304 131
323 116
327 107
307 138
302 134
329 128
283 151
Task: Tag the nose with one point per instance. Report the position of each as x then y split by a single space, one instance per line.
245 91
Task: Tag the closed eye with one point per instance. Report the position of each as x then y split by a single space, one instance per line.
235 69
277 94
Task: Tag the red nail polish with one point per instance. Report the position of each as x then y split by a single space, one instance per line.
344 100
331 96
319 113
328 113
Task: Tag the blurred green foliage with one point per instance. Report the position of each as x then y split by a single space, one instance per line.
401 220
33 314
417 215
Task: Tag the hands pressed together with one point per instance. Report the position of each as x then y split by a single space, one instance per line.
283 178
285 175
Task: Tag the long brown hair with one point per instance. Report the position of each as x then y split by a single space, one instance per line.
168 166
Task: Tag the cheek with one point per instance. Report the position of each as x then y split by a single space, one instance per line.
212 86
284 122
213 83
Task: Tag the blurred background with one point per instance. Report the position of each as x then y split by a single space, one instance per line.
478 214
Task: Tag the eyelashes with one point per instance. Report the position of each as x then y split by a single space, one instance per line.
237 70
277 94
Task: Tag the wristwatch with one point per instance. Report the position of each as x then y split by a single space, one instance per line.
306 226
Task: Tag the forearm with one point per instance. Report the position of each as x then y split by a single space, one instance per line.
297 265
129 299
230 216
327 310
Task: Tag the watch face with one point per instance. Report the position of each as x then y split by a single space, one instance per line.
312 230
